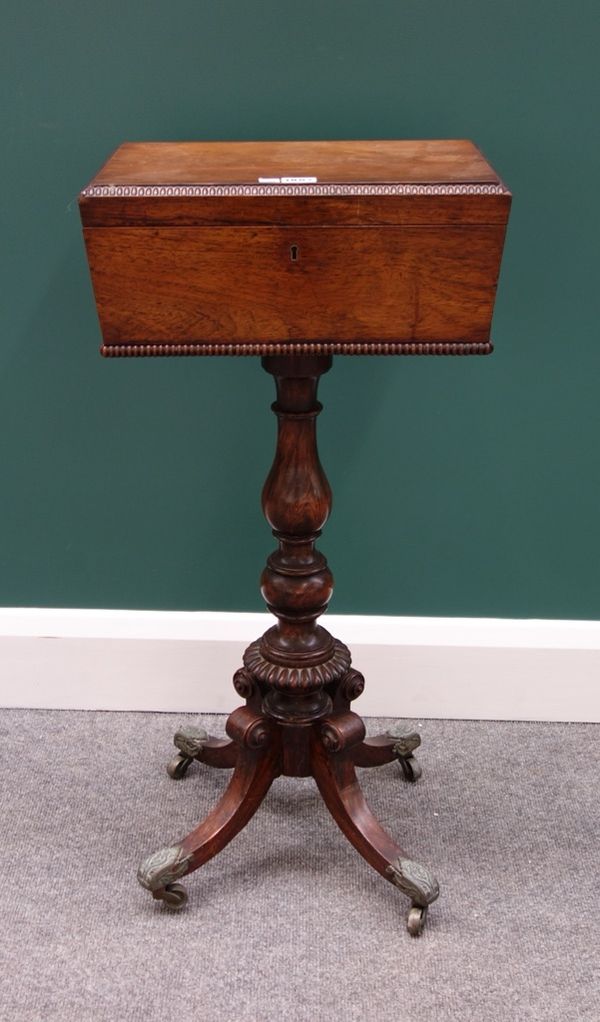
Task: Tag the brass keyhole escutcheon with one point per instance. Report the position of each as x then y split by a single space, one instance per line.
294 253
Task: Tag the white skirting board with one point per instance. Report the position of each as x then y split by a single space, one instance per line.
461 668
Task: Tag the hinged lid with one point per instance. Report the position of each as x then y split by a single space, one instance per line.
424 181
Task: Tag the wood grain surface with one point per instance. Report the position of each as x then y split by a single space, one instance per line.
376 161
224 285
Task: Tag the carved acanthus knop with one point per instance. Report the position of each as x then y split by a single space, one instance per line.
294 678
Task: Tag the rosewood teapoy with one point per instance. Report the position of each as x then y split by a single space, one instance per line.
295 251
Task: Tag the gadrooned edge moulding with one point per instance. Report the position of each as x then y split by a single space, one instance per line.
208 191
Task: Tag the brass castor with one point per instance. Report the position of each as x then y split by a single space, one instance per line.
415 921
406 741
420 885
175 896
190 741
178 766
159 871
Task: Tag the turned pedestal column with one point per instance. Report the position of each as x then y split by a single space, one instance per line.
297 680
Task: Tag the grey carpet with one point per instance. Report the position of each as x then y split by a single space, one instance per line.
289 922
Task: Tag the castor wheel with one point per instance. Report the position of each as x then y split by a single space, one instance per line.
177 768
415 920
411 768
174 896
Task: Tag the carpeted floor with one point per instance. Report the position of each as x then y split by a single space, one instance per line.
289 922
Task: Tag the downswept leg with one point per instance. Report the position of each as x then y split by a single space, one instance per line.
258 764
336 778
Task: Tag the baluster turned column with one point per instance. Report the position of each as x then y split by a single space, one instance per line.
296 658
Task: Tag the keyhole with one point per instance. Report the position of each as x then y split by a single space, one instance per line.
294 251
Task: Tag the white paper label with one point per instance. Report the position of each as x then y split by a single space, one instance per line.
287 180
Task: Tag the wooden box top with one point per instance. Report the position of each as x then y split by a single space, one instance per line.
186 183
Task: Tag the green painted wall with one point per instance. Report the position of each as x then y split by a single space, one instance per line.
462 487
